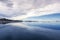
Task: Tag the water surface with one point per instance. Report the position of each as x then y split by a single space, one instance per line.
30 31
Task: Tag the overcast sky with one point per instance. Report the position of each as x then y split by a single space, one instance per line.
20 9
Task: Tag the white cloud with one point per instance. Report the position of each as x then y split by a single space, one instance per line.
20 9
49 9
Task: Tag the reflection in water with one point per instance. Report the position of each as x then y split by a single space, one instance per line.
18 25
30 31
51 25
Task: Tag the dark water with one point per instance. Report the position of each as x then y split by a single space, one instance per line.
30 31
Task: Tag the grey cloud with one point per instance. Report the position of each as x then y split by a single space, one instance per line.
23 6
36 3
8 3
42 3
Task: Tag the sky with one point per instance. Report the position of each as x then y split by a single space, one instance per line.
51 17
21 9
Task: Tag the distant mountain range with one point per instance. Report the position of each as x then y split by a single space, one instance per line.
55 16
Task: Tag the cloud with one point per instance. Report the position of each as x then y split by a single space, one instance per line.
14 7
23 8
8 3
49 9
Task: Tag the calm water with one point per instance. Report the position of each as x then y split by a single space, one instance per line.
30 31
